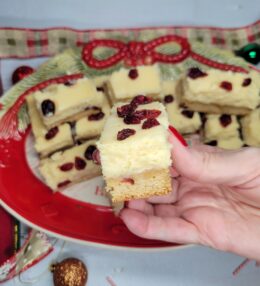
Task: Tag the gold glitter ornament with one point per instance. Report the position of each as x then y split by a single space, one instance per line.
69 272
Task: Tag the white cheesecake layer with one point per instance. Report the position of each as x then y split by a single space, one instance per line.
53 175
214 130
231 143
68 100
147 149
42 145
85 128
182 123
148 82
207 89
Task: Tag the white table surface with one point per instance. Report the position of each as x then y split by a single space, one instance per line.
189 266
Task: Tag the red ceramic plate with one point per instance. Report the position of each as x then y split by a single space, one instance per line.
86 218
81 213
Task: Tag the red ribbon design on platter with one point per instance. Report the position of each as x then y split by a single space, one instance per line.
136 53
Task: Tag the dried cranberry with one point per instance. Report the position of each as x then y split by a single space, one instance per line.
247 81
124 110
100 88
79 142
187 113
66 167
89 152
168 98
48 107
96 157
125 133
195 73
80 163
68 83
132 119
149 123
133 73
64 183
203 118
141 99
183 105
147 113
225 120
51 133
226 85
96 117
128 180
212 143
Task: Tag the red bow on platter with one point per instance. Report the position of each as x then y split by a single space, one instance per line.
136 53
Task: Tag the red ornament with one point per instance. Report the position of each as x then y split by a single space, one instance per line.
21 72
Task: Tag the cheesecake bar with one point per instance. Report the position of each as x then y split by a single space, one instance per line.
70 166
251 128
47 141
220 126
61 103
134 150
215 91
125 84
91 125
184 120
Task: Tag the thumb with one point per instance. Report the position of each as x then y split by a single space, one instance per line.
231 168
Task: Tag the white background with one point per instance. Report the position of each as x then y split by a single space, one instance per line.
190 266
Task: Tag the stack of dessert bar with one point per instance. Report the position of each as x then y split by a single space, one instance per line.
66 119
221 106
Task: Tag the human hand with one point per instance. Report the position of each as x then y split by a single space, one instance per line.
215 201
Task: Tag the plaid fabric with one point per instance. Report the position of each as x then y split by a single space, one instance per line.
26 43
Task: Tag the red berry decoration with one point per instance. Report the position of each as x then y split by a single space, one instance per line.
64 184
168 98
100 88
141 99
66 167
149 123
48 107
147 113
226 85
187 113
96 157
225 120
195 73
124 110
89 152
69 272
132 119
125 133
96 117
80 164
21 72
133 73
128 181
212 143
247 81
52 133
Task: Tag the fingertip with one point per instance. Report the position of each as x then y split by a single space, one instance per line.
134 220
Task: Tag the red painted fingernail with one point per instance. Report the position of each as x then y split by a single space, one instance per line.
178 135
96 157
